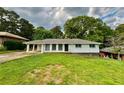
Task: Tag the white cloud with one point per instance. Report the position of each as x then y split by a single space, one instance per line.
52 16
60 16
92 12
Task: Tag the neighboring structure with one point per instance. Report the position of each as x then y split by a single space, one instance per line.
63 45
110 53
5 36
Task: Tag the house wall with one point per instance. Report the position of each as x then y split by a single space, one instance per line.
73 49
53 50
84 49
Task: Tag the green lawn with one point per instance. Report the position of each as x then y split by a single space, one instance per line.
7 51
62 69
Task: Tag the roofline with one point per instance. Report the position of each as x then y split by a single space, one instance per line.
7 34
30 42
59 43
108 50
16 38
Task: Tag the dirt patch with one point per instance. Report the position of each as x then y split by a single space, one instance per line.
50 74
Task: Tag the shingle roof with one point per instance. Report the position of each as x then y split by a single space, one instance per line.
112 50
6 34
61 41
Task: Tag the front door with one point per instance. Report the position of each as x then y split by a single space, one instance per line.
66 47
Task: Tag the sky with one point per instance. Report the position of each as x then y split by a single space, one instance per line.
49 17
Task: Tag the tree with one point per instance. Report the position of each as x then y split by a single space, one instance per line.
26 29
56 31
118 43
11 22
85 27
107 42
42 33
118 35
8 21
120 28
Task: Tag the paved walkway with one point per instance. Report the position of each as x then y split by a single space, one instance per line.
12 56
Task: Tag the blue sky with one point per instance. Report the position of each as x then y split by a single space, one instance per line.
52 16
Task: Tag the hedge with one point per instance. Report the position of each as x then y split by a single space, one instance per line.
14 45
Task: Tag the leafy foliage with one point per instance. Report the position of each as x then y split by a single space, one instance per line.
26 29
117 39
13 45
56 31
2 48
85 27
42 33
120 28
107 41
11 22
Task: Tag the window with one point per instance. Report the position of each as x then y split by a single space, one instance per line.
92 46
60 47
53 46
78 45
47 47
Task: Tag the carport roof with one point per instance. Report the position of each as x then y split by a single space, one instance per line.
113 50
7 34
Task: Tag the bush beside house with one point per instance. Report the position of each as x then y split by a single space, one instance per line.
2 48
14 45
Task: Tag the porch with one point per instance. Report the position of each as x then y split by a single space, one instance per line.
47 48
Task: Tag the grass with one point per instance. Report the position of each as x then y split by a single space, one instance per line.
8 51
4 52
62 69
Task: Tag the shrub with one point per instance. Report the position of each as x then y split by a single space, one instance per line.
14 45
2 48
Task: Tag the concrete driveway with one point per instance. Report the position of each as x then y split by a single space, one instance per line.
12 56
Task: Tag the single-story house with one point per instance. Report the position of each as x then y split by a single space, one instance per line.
109 52
5 36
63 45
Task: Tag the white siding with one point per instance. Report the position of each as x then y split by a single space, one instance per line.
84 49
54 50
73 49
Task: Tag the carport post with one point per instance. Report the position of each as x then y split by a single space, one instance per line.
63 48
38 47
33 47
42 48
27 49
